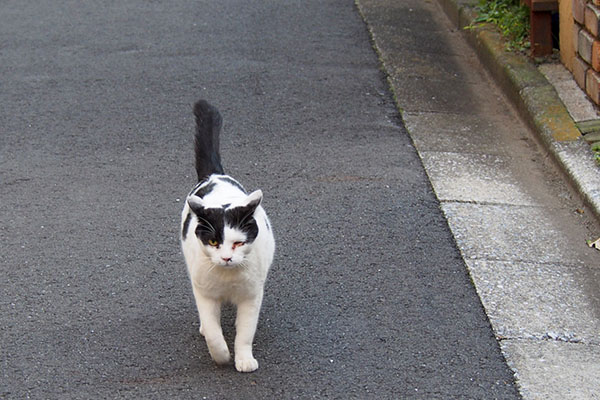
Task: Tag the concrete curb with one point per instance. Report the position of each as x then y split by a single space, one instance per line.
536 100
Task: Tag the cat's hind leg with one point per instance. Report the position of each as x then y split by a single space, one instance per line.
210 327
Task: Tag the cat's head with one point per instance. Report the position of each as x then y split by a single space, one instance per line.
227 232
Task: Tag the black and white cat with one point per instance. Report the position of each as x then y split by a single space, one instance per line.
228 246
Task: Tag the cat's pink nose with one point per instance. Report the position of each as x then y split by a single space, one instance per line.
226 259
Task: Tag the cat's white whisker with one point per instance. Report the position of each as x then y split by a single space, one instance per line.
212 266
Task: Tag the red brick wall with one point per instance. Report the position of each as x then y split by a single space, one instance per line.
586 38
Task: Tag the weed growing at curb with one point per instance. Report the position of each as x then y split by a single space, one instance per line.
596 150
510 17
591 134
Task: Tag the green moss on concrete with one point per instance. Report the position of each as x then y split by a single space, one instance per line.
549 114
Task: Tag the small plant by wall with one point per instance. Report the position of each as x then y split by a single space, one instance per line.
510 17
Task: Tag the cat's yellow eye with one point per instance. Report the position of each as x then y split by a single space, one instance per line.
213 243
238 244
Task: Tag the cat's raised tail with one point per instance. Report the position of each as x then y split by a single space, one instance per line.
206 140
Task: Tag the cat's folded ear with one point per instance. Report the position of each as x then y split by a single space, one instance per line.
254 198
251 202
195 203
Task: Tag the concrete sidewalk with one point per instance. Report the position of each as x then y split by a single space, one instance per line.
490 157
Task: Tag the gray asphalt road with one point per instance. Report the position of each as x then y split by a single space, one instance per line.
368 296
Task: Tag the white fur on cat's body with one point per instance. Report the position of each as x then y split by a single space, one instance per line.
215 282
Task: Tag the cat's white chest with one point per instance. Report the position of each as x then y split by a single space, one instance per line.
223 284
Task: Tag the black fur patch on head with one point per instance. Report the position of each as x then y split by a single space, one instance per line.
242 218
212 221
210 224
232 182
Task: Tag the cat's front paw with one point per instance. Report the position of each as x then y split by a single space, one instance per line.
220 354
246 364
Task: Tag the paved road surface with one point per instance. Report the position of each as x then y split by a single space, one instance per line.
368 296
